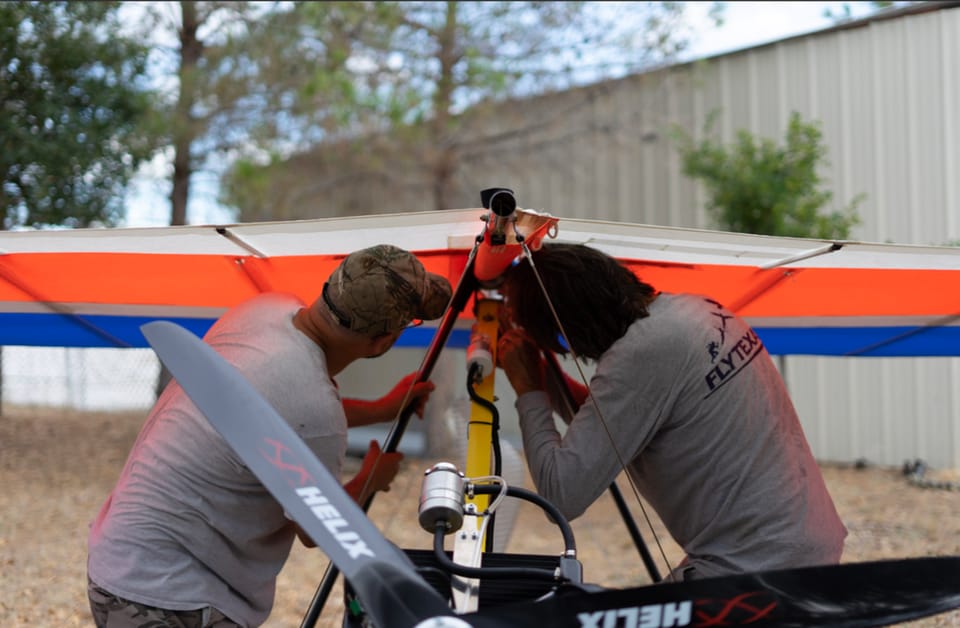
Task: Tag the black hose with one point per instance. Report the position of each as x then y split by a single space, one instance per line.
532 573
472 376
570 544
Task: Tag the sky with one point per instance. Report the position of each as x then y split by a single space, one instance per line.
749 24
745 24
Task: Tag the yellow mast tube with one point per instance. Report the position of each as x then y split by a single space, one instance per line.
480 428
469 542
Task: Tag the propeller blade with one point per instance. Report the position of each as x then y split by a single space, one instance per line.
854 594
392 591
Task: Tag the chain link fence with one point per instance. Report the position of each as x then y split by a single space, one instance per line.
89 380
53 381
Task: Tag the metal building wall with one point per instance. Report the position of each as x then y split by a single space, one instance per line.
887 94
886 91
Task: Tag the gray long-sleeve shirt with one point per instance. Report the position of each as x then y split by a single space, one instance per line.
701 417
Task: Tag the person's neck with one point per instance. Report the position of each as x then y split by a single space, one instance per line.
310 324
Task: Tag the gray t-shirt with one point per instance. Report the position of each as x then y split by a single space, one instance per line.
188 525
700 415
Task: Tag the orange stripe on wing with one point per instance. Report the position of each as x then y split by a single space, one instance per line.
172 279
799 292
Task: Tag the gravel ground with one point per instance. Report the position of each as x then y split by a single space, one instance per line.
56 468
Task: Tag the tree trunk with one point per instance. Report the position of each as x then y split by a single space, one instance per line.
446 157
184 128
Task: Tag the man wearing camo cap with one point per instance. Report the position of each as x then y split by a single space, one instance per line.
382 289
189 537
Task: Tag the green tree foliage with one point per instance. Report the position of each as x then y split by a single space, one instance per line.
72 113
188 40
462 54
253 78
418 72
755 185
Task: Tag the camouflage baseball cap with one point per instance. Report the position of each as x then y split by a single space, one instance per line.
383 289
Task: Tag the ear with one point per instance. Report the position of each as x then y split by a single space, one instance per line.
383 343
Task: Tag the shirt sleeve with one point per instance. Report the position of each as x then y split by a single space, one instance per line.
633 395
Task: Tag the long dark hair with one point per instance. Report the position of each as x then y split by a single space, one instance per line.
596 298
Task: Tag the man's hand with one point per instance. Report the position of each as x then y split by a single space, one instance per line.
387 408
376 473
409 390
505 318
521 360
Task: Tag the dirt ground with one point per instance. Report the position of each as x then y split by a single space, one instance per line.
57 467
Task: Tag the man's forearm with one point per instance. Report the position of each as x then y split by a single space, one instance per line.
360 412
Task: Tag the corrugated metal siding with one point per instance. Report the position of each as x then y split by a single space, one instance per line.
886 95
886 92
885 411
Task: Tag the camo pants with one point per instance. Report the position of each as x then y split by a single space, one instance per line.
110 611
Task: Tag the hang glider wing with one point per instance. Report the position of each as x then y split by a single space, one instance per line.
802 296
95 287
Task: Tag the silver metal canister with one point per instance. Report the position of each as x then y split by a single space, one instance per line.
441 498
